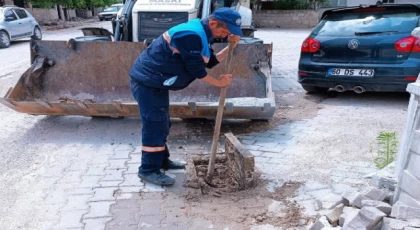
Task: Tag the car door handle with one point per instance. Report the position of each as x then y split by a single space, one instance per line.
20 23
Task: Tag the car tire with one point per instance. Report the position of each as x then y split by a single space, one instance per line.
315 89
101 19
4 39
37 34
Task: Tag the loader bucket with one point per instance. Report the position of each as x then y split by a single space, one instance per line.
91 79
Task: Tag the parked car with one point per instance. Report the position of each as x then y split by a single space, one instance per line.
16 23
109 13
365 48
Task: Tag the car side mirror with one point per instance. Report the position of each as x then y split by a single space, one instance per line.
416 32
9 18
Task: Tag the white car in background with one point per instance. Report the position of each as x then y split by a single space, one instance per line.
16 23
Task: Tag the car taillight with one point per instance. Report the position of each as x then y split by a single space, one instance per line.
408 44
302 73
310 45
414 78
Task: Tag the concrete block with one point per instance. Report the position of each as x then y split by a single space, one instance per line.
117 164
113 175
96 224
77 202
393 224
320 224
135 158
99 209
348 213
312 206
329 199
414 223
123 154
241 161
404 212
407 199
354 198
390 198
131 180
410 184
334 215
385 178
89 181
71 219
375 193
341 188
367 218
413 164
314 186
104 194
381 206
378 226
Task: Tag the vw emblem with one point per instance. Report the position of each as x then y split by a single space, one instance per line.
353 44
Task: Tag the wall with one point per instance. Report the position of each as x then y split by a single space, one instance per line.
358 2
407 167
286 18
43 14
373 2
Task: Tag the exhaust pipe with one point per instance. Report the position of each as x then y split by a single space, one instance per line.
359 89
340 88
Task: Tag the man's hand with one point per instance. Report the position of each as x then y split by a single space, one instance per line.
235 39
225 80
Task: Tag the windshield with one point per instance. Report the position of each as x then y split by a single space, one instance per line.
1 14
110 9
368 23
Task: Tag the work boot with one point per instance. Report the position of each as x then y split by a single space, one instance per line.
173 165
158 178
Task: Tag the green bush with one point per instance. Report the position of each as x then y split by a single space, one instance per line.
290 5
387 149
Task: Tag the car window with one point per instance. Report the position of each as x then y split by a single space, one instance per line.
110 9
9 13
349 23
21 13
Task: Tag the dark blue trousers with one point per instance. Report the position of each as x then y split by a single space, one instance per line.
154 112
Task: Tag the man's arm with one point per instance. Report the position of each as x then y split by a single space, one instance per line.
224 80
189 48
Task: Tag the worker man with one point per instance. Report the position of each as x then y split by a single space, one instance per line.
172 62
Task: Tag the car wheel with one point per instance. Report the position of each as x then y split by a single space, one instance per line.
315 89
4 40
101 19
37 33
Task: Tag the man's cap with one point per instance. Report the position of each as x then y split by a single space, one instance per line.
231 18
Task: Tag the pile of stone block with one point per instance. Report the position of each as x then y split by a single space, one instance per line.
369 209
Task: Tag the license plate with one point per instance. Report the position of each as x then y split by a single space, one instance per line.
351 72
